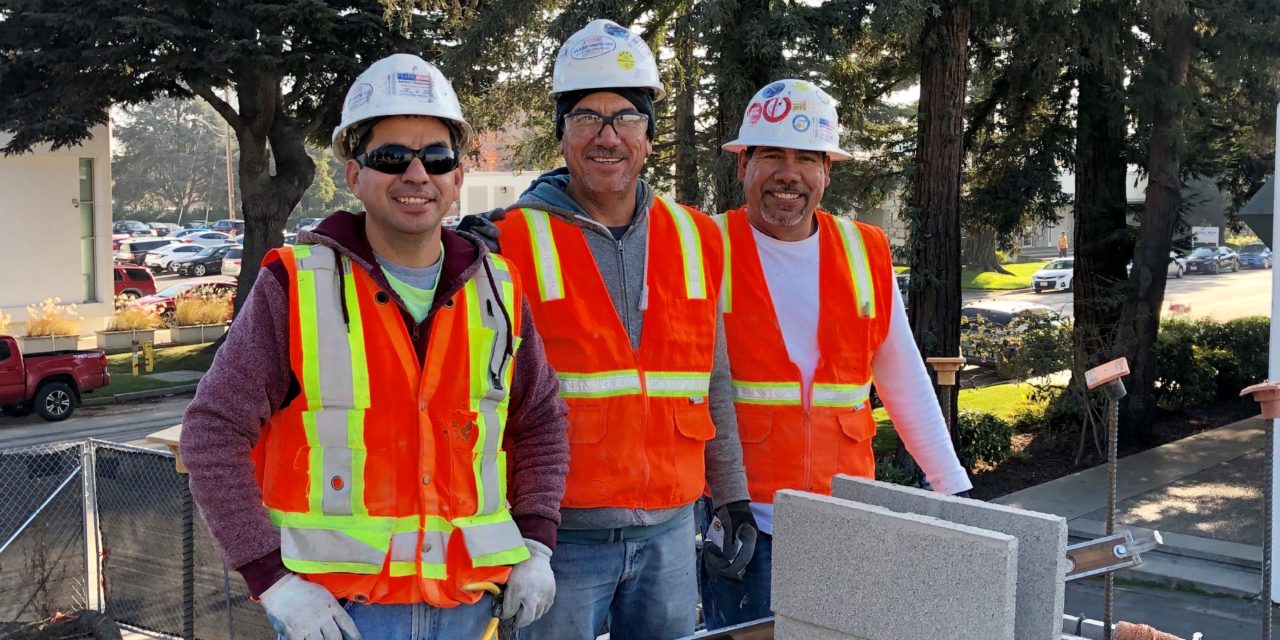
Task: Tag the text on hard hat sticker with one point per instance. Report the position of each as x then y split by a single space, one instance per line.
775 109
413 84
359 95
773 89
617 31
753 113
800 123
593 47
626 60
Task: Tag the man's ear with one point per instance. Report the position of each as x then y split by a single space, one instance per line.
352 171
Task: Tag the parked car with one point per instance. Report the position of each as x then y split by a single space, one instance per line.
1255 256
158 261
182 233
131 227
203 263
208 238
231 262
291 238
306 224
165 301
163 229
1177 266
1212 260
135 251
49 383
228 226
117 238
1001 317
134 282
1057 275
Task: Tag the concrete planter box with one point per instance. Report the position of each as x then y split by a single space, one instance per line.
112 340
41 344
198 333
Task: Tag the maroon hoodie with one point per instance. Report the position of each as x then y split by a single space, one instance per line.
250 379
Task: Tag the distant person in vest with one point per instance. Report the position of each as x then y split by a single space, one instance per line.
623 285
381 434
1062 244
812 313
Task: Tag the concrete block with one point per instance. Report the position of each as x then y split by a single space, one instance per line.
1042 543
785 628
876 574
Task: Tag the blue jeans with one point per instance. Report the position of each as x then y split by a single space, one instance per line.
639 587
421 621
726 602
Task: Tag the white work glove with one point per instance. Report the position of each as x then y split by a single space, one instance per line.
301 610
531 587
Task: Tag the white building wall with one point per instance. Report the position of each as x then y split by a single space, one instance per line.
486 190
40 225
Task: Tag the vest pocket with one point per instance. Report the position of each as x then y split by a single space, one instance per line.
857 426
856 457
694 422
754 426
587 424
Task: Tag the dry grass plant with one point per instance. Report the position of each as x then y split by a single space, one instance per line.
5 319
132 317
52 318
202 308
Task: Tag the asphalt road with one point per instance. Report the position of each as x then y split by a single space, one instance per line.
1181 613
114 422
1222 297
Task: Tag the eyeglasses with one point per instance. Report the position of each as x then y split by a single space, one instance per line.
627 123
395 159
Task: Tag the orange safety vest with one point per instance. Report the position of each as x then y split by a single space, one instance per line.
784 444
638 419
387 479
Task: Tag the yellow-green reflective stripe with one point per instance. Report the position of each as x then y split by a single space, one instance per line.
695 284
840 395
726 278
308 330
859 265
779 393
316 566
599 385
677 383
545 258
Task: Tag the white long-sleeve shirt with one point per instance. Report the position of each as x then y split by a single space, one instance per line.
791 270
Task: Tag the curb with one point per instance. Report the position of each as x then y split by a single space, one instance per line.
122 398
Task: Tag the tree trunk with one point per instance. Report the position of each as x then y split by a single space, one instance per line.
1101 228
1141 319
686 165
934 207
743 71
980 251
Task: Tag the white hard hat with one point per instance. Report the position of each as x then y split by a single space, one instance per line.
604 55
792 114
401 84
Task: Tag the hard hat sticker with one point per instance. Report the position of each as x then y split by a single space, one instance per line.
823 97
359 95
800 106
753 113
626 60
773 89
800 123
775 109
617 31
413 84
803 86
827 130
592 47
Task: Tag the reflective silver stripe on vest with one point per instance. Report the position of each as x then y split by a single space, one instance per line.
404 546
831 395
495 537
331 433
767 393
493 318
327 545
667 384
599 384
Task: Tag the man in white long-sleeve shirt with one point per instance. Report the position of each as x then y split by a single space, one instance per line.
812 314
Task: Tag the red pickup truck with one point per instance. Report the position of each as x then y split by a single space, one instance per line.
50 383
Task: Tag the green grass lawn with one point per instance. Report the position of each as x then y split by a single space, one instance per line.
1021 278
181 358
1003 400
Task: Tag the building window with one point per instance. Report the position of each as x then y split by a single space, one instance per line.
88 253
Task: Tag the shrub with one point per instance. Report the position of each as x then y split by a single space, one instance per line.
985 438
132 317
1051 411
1199 361
201 308
51 318
888 472
5 319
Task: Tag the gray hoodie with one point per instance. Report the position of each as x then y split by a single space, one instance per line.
621 264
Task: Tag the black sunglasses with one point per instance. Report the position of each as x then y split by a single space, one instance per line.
395 159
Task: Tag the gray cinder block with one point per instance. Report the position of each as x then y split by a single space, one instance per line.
1042 543
785 628
876 574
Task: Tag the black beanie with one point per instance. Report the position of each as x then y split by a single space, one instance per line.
639 97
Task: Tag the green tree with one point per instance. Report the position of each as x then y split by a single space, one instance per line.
285 65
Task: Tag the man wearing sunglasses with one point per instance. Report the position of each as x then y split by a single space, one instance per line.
380 442
623 287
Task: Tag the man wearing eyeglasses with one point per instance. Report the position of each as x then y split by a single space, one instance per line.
379 444
623 285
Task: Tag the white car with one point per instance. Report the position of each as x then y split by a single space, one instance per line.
231 262
1055 276
158 260
208 238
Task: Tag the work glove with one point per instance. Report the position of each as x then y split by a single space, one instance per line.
731 540
531 588
481 225
301 610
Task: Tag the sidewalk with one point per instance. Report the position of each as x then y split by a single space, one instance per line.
1204 494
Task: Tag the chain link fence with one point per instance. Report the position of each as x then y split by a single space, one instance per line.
61 504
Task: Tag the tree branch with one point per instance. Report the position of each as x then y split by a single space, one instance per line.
221 106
